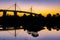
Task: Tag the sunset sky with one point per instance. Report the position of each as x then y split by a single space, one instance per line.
39 6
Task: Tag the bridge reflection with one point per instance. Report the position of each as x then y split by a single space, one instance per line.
33 24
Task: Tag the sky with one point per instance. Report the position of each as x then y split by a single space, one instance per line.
39 6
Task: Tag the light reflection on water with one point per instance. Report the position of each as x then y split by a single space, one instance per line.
23 35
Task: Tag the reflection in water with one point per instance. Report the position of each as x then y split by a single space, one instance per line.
22 35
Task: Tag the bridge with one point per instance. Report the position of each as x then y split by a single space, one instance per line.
4 12
15 11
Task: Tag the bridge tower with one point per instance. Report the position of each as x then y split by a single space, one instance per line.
15 13
31 11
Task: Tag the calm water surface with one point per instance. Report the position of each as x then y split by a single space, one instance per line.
23 35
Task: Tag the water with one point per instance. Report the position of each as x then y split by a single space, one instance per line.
23 35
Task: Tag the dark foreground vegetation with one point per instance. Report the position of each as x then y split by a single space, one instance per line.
31 23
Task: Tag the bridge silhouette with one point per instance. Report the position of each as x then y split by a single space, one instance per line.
33 24
4 11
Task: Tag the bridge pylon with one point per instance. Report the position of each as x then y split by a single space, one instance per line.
31 9
15 13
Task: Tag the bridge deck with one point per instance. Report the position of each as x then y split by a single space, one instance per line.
17 11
